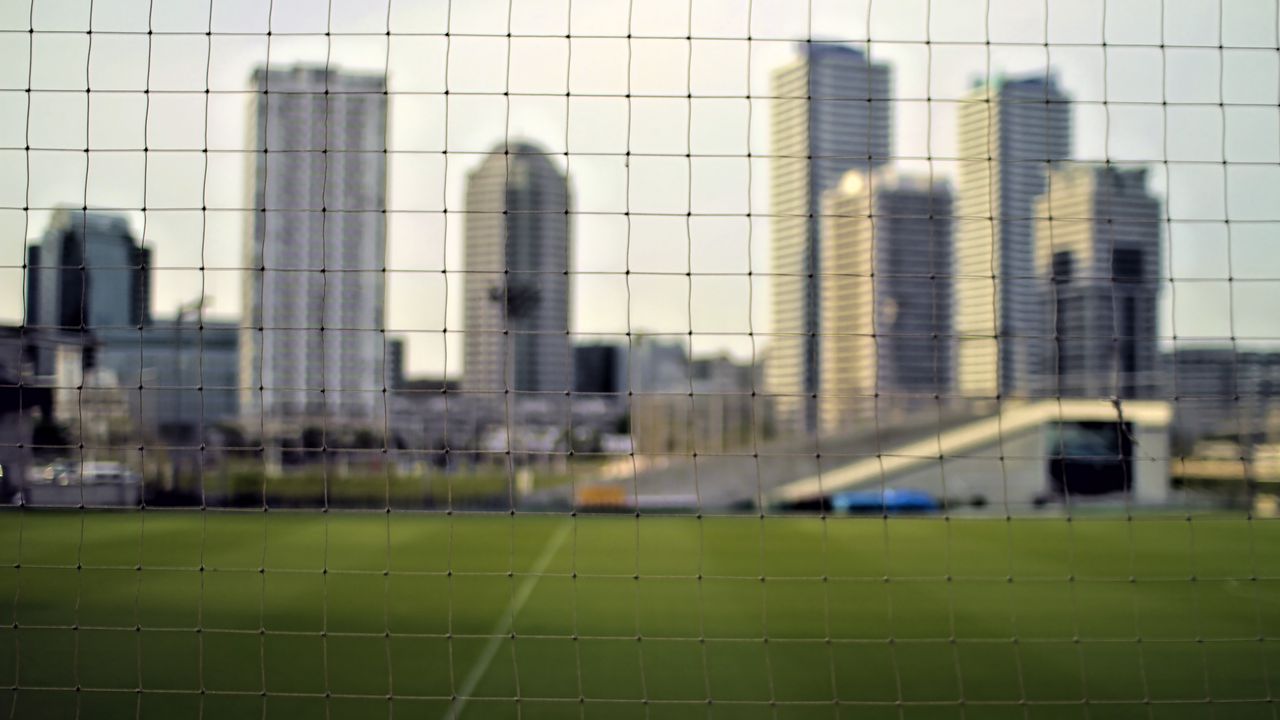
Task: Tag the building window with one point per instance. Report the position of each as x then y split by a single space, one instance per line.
1063 264
1126 264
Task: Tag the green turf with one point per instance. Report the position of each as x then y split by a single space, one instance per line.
390 614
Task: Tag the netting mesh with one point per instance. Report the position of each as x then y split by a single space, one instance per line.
603 358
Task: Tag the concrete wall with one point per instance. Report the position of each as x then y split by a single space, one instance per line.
99 495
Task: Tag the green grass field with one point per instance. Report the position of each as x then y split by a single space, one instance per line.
356 615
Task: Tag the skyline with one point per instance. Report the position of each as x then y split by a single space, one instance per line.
1204 192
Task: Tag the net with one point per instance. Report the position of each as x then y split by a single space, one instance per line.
543 358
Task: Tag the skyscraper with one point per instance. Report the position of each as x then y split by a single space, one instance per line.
316 249
517 274
88 272
831 114
886 297
1012 132
1097 235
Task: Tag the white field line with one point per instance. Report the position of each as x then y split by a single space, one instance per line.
501 629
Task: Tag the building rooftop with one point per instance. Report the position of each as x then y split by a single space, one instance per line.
829 49
1035 81
316 74
98 221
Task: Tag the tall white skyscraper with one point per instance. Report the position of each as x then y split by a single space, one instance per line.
1012 132
886 346
1098 259
517 275
312 350
831 114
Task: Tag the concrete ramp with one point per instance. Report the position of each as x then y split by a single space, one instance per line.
998 459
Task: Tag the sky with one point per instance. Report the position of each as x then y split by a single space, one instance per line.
1188 88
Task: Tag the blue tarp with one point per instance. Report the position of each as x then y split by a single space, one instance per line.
888 500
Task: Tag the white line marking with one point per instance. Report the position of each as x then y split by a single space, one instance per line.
502 629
